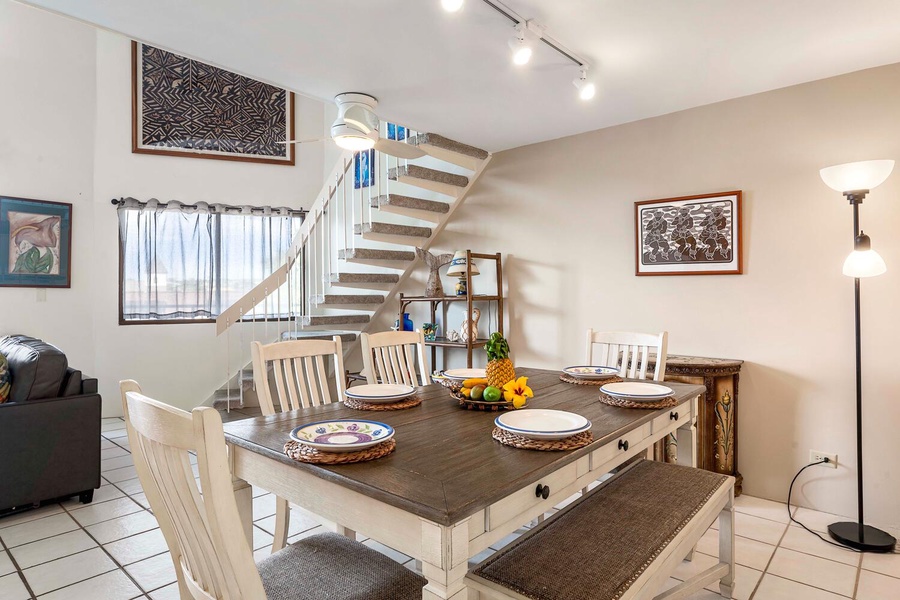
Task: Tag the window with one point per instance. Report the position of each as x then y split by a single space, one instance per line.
188 263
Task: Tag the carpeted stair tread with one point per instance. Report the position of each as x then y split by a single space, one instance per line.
364 278
338 299
335 320
392 229
439 141
346 336
410 202
417 172
376 254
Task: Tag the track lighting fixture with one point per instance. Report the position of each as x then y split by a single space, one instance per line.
452 5
521 45
586 87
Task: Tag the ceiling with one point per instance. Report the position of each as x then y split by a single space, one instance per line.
452 73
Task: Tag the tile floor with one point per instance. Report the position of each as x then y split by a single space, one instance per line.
112 549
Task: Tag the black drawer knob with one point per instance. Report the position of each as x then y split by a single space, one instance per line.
542 491
623 445
673 416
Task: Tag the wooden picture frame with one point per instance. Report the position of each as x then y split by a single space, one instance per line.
35 243
183 107
689 235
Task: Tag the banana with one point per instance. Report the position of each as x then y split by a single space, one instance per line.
467 392
470 383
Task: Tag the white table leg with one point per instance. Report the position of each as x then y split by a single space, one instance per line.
686 436
243 495
445 561
726 546
339 529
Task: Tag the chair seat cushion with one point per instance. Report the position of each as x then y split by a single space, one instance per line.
333 567
598 547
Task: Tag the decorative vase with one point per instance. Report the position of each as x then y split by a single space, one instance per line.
434 288
430 331
469 328
407 323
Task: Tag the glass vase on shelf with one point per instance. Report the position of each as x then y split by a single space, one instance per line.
407 323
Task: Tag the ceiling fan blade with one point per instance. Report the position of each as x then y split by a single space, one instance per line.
318 139
399 149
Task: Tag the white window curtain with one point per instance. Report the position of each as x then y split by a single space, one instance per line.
184 262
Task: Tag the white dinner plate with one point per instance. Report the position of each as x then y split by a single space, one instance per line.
342 435
466 373
542 424
591 372
636 390
380 393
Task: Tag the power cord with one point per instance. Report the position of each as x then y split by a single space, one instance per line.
791 516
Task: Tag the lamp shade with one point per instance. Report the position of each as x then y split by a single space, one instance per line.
863 175
459 267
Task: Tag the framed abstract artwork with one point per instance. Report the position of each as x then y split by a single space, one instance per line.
183 107
364 169
35 243
691 235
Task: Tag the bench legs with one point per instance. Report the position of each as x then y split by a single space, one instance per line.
726 546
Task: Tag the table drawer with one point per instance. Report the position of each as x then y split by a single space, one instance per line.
526 498
678 415
625 444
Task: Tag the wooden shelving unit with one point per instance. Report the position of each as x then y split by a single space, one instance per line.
470 300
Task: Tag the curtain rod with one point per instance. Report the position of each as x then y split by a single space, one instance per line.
216 207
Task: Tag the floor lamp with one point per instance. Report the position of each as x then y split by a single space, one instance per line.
854 180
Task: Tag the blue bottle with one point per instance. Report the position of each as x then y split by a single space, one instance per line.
407 323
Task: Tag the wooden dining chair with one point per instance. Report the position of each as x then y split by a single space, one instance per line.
298 369
391 357
628 352
210 547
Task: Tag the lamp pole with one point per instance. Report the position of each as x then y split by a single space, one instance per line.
859 535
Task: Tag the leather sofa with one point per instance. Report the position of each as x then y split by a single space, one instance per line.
49 427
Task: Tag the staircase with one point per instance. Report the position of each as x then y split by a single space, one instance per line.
351 254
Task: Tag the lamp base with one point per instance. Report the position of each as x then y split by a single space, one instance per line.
862 537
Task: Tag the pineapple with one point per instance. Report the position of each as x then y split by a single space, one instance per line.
500 370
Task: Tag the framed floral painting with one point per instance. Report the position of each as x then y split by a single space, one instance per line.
690 235
35 243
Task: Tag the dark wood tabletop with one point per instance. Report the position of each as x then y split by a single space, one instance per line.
447 466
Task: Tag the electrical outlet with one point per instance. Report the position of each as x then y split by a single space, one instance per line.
816 456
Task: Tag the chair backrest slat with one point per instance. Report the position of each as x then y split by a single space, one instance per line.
213 558
628 352
300 373
395 357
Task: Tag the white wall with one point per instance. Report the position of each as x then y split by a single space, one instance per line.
562 214
66 136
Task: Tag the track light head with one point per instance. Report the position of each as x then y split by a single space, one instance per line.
521 45
452 5
586 88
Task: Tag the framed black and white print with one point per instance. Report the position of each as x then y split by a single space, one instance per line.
690 235
183 107
35 243
364 169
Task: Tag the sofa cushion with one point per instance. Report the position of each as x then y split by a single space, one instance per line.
71 383
4 379
37 369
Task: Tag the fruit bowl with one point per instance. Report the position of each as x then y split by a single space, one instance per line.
454 387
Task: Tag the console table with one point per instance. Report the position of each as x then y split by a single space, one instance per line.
717 419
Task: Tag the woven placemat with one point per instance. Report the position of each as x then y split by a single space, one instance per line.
517 441
666 402
360 405
565 377
308 454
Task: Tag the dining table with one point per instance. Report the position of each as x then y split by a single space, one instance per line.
449 491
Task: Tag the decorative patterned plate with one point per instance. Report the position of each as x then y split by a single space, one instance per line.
380 393
342 435
589 372
542 424
465 373
635 390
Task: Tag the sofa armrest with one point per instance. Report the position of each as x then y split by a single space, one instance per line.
50 448
89 384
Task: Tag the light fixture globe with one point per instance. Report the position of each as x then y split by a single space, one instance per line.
863 261
586 87
521 50
856 176
452 6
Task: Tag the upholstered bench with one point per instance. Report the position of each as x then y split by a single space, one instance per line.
622 540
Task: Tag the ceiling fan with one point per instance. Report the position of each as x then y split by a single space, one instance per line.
356 128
